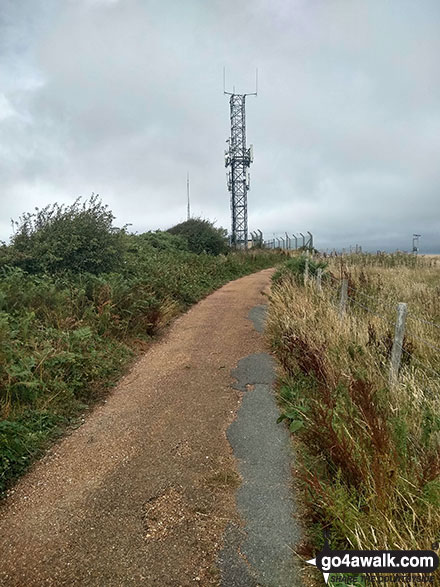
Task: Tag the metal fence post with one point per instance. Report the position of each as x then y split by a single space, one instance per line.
343 299
399 333
296 241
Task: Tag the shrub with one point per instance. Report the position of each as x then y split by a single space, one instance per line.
66 337
147 242
75 238
202 236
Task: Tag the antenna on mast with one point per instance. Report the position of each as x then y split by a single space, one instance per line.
188 208
233 87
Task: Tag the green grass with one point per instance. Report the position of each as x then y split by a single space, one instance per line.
66 338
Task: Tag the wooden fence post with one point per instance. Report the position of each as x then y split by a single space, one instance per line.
319 279
399 333
343 299
306 271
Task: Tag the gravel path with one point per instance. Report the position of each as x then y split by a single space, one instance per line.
142 493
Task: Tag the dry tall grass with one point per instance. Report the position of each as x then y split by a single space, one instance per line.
370 452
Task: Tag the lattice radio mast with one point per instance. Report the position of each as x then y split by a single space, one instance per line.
238 157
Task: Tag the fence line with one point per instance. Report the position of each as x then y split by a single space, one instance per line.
386 303
399 325
412 357
423 321
389 303
426 342
369 310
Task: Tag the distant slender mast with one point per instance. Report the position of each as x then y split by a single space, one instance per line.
188 207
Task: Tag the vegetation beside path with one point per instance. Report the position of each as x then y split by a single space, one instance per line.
78 299
369 451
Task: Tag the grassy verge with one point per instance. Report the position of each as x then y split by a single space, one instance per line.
369 452
66 338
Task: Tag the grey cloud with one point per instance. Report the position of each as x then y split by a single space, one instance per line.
123 97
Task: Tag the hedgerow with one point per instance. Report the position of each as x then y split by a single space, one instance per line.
69 326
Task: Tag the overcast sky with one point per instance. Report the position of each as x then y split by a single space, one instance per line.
123 97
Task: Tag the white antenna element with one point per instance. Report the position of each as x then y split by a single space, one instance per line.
233 87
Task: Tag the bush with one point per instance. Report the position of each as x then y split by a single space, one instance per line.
64 338
75 238
147 242
202 236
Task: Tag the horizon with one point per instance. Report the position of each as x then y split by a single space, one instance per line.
125 97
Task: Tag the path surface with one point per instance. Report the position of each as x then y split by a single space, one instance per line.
146 491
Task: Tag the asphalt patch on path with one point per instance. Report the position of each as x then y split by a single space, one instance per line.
257 368
260 554
258 317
